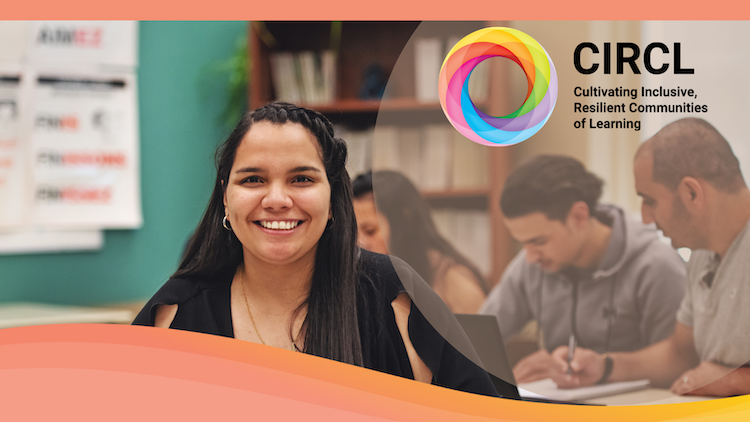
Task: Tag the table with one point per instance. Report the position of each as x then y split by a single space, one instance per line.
20 314
647 396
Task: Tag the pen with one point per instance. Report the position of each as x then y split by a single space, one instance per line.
571 351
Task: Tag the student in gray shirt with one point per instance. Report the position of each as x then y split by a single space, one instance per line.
586 270
693 189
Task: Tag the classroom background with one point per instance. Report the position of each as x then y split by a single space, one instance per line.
182 96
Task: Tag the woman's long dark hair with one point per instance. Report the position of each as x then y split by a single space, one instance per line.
331 324
413 231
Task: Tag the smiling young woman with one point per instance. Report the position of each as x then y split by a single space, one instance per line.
275 261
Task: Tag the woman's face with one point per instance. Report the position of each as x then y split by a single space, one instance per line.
373 230
278 199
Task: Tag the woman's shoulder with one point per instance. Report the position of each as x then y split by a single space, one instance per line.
379 270
392 275
447 269
182 290
456 284
377 262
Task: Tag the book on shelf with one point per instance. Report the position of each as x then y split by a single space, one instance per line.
428 57
307 77
410 154
385 151
307 73
434 157
359 146
328 69
282 68
437 154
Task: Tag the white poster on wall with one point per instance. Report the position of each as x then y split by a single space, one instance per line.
85 150
69 163
13 166
83 43
13 36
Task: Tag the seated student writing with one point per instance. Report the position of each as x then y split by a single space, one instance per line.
406 229
274 261
586 271
693 189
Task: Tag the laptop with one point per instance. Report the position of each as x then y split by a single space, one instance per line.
484 333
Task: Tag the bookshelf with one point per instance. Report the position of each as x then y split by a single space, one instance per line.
388 44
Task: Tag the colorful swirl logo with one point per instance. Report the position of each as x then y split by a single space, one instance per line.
540 99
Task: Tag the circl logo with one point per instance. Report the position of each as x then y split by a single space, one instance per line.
541 94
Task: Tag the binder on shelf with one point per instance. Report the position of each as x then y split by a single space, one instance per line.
410 156
328 68
385 151
437 166
306 77
428 56
284 80
359 144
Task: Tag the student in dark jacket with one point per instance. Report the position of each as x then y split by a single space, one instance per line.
274 261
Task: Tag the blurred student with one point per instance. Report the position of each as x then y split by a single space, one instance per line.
586 271
693 189
406 229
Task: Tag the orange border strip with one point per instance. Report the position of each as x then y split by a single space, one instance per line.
73 363
381 10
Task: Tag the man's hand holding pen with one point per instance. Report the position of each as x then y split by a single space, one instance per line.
586 367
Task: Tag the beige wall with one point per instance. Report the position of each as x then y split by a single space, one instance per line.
608 153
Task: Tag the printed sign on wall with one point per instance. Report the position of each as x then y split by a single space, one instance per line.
85 163
69 163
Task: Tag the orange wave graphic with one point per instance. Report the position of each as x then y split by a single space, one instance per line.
113 372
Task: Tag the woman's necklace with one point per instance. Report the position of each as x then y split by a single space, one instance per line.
294 347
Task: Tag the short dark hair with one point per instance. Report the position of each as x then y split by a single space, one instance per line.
362 184
331 323
692 147
549 184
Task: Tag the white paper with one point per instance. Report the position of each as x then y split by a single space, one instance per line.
547 388
69 159
85 150
112 43
13 166
13 36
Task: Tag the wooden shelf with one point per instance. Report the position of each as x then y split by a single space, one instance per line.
356 52
457 193
465 199
372 106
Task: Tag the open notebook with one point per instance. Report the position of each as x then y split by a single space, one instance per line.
547 389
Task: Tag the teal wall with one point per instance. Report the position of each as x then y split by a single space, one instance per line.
179 101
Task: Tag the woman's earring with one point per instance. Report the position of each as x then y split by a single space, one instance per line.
224 222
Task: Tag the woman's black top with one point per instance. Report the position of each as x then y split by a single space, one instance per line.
204 306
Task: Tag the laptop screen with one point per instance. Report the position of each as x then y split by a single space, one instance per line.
484 333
